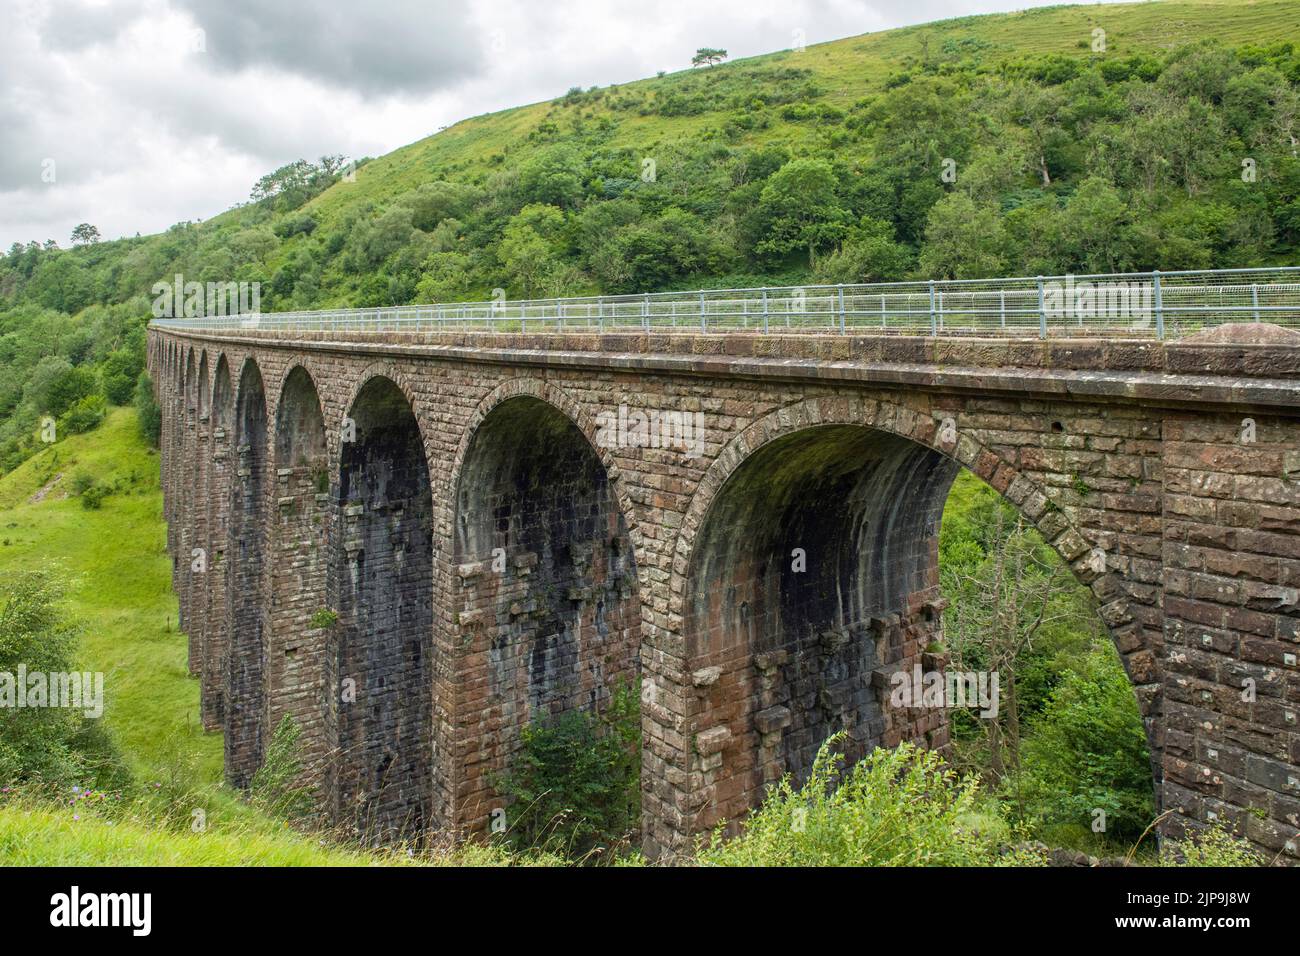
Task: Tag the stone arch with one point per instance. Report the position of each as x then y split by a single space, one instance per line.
217 503
1028 498
245 703
222 394
381 588
299 422
783 656
299 560
576 413
548 599
204 388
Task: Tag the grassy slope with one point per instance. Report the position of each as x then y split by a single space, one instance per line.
122 592
122 585
848 69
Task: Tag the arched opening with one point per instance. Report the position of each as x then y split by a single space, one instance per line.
381 589
245 685
216 647
815 605
548 605
202 384
199 580
184 584
295 660
190 383
814 571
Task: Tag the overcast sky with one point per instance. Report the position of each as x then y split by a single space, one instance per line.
135 114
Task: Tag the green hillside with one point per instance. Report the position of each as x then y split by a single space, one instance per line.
844 70
1063 139
1009 144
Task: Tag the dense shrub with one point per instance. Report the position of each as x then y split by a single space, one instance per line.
1086 752
85 414
45 746
575 785
893 808
148 413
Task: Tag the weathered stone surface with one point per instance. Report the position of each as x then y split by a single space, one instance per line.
455 529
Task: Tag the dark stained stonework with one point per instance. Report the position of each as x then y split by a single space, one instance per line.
1167 475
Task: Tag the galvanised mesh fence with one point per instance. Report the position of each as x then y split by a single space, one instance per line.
1160 305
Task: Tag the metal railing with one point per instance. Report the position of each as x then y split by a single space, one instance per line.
1159 305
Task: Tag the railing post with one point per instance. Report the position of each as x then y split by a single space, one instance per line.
600 313
765 310
1254 299
883 315
1160 305
645 312
934 319
1002 306
704 319
1042 311
841 308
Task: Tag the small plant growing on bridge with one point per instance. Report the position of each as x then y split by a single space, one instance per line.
324 618
1213 846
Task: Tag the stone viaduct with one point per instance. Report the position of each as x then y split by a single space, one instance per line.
414 543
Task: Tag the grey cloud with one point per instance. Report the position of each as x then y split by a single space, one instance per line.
375 48
72 25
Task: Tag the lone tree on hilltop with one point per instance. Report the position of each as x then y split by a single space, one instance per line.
708 56
85 234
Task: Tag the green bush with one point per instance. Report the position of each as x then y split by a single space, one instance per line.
82 481
575 786
147 411
45 746
1213 846
1087 752
85 414
899 807
92 499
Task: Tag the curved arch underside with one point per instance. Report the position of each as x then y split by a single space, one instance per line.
548 570
246 690
381 588
814 576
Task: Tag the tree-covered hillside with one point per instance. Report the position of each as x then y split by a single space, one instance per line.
1055 140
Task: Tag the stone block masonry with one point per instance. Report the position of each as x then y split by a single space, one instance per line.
417 545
